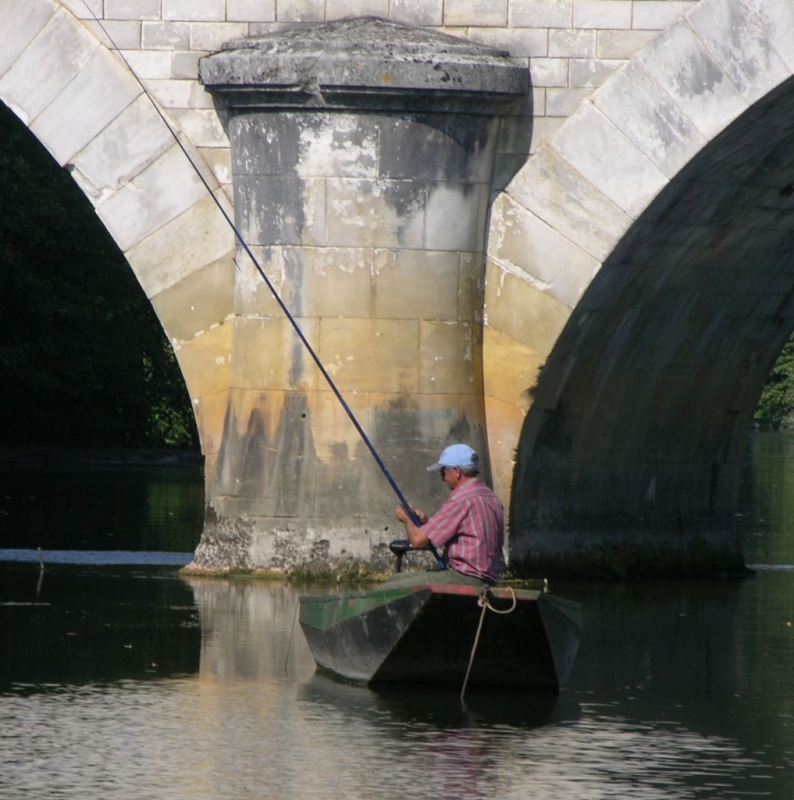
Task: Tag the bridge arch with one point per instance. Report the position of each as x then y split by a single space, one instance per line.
652 236
83 104
592 273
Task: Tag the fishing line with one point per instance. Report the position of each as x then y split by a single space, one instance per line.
270 286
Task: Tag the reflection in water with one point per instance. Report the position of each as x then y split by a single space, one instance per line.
125 681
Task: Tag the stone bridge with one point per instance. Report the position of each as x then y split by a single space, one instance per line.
603 341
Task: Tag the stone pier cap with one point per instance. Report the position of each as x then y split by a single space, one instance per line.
363 62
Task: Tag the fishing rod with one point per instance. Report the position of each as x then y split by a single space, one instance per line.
362 433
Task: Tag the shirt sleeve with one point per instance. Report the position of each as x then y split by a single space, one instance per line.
445 523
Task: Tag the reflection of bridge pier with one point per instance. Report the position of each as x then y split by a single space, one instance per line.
249 630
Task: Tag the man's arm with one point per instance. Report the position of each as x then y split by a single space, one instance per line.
415 536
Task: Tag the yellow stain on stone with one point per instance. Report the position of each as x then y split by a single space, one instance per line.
197 303
385 353
522 311
205 361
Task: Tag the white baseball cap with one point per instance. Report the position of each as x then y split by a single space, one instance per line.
456 455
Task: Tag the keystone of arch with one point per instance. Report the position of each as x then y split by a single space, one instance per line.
566 210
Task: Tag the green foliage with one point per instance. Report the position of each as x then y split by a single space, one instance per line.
776 407
83 358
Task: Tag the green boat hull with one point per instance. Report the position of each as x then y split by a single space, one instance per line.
423 634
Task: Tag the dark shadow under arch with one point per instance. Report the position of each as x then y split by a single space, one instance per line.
84 361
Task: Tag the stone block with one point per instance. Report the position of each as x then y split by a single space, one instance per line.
491 13
470 288
518 42
277 210
504 420
199 303
210 413
436 147
658 15
338 9
159 194
194 10
591 73
132 9
117 34
185 66
181 247
506 165
541 13
352 217
622 44
549 72
202 126
572 43
371 355
592 145
124 147
777 18
510 370
515 134
333 434
611 14
83 9
20 23
165 35
450 358
455 216
328 145
210 36
542 130
96 96
205 361
60 50
252 296
740 45
150 65
300 10
418 428
172 94
417 12
560 196
267 144
250 10
269 355
328 281
415 284
521 311
563 102
522 242
684 68
651 120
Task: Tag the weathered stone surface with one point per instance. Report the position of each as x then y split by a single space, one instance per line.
368 56
20 22
46 66
371 226
95 97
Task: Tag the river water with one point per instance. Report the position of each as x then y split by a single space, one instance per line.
119 679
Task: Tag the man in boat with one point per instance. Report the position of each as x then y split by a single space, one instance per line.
469 526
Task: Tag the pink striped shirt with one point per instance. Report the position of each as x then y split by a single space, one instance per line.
470 527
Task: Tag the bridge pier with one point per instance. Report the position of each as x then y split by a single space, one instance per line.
362 157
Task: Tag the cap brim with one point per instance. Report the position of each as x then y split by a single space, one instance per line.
434 468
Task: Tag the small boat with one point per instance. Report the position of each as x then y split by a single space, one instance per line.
420 628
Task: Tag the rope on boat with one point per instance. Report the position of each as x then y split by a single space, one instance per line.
482 601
